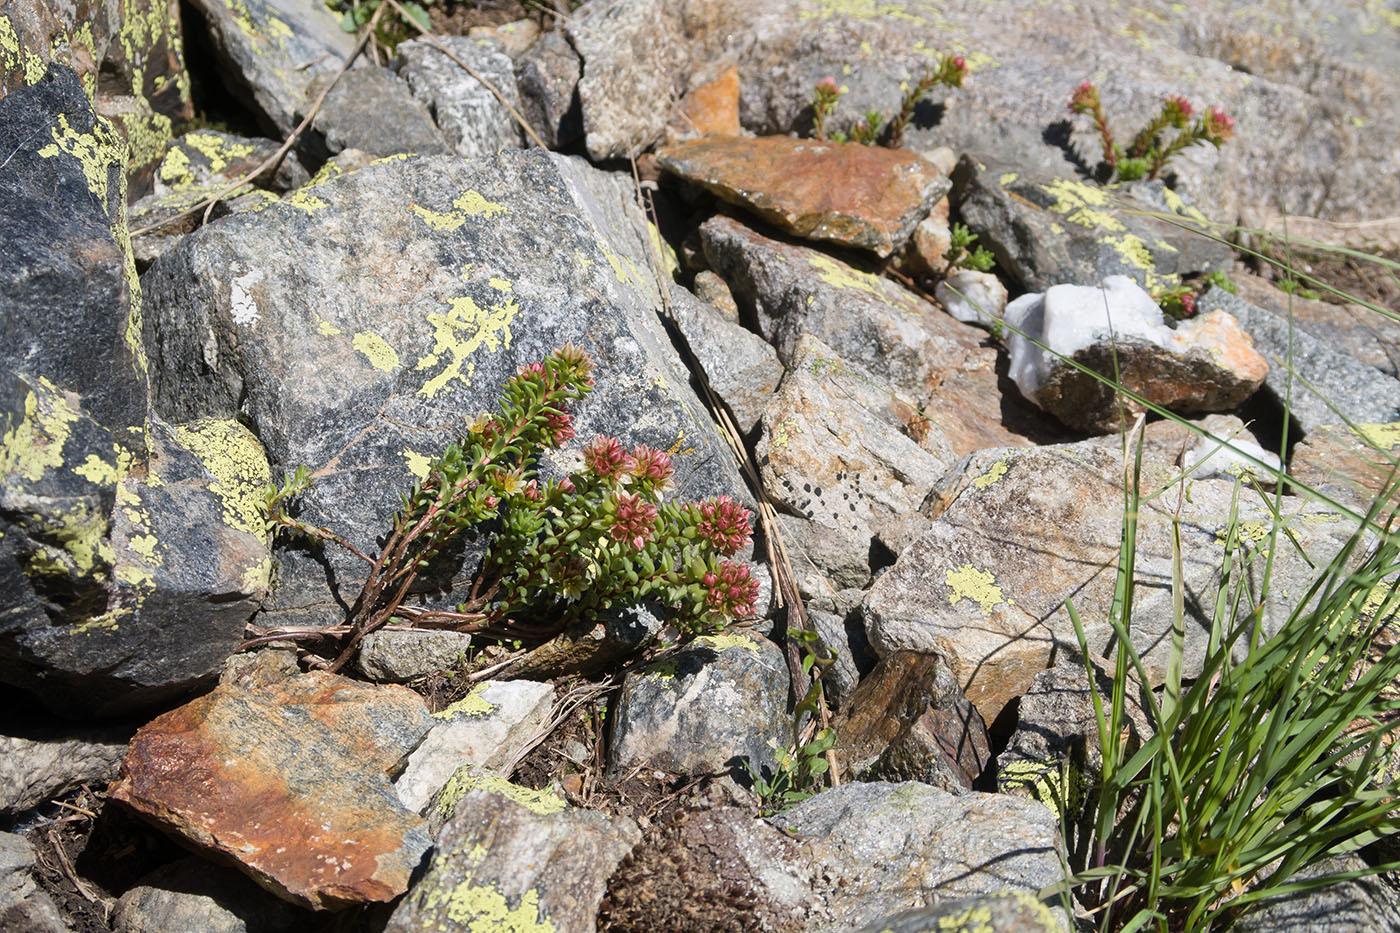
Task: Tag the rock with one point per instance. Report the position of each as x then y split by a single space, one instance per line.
847 455
881 848
935 364
389 656
826 556
291 782
590 646
740 366
503 864
1361 905
191 894
717 869
372 109
712 290
1051 230
473 120
909 721
1336 383
487 728
1206 363
1350 465
23 906
268 664
973 297
845 193
136 47
1368 336
417 350
633 56
1240 457
927 251
516 37
1054 755
36 770
1025 530
845 639
547 79
270 49
716 703
712 107
1003 912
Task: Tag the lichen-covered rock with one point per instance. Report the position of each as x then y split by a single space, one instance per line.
1351 465
473 120
373 110
486 728
271 49
849 456
1003 912
192 894
868 197
717 702
1336 383
291 783
909 721
1026 530
936 365
417 286
882 848
1206 363
516 861
1051 230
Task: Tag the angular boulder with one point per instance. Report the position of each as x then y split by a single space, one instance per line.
473 120
1206 363
867 197
291 783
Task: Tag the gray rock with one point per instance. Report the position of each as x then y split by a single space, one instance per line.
23 906
712 290
238 324
1337 386
509 860
1024 531
372 109
1369 336
262 667
547 78
972 297
1003 912
850 457
270 49
472 119
880 848
933 364
1362 905
486 728
826 557
634 55
192 894
1206 363
846 640
720 700
36 770
391 656
740 365
1050 230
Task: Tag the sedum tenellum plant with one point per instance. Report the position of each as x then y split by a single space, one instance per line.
1167 134
565 548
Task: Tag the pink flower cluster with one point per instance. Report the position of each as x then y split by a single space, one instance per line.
635 521
605 459
725 524
731 592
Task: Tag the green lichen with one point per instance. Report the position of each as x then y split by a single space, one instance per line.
978 586
468 778
35 445
459 333
997 471
480 908
472 705
236 461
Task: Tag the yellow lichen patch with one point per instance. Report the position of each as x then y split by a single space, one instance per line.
109 621
473 204
839 275
661 670
377 350
13 56
1383 436
469 706
866 10
1247 532
257 577
1007 178
500 285
997 471
678 449
82 534
459 333
728 640
1133 251
175 168
326 327
304 200
96 470
618 268
418 464
324 174
395 157
978 586
467 779
35 445
1082 204
439 220
219 151
235 460
480 908
670 264
975 919
1045 782
784 433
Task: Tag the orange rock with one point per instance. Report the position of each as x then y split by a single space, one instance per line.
711 108
863 196
290 782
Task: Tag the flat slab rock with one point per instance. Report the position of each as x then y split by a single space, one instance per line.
291 783
845 193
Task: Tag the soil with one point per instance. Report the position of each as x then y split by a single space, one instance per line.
1368 281
455 17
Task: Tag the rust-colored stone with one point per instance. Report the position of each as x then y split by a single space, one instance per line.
846 193
710 108
289 781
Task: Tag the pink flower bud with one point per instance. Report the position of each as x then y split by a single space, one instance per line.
605 458
635 521
648 463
